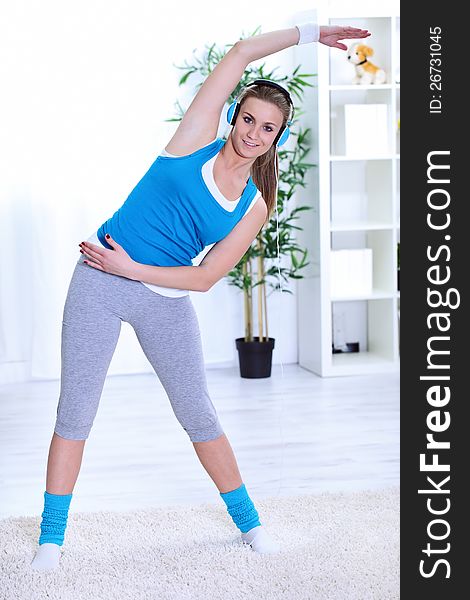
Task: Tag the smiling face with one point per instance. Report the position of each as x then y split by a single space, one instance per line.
258 122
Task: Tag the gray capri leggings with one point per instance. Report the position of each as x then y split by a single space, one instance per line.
168 332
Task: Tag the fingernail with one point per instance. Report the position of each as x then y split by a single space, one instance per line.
107 235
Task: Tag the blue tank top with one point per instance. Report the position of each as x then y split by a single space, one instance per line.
170 215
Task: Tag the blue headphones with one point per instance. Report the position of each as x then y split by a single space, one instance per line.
283 134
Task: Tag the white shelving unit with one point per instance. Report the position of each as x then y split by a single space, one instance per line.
355 199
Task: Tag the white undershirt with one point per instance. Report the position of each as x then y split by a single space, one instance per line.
208 176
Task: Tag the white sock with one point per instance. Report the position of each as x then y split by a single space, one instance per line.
47 557
260 541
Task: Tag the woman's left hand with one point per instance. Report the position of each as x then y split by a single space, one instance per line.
116 262
329 35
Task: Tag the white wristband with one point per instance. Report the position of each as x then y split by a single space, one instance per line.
309 32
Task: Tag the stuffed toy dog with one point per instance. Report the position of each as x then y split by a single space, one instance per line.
366 71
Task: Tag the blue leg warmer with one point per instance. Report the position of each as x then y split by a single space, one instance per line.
54 518
241 508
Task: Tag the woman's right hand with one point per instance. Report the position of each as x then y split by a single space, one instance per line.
329 35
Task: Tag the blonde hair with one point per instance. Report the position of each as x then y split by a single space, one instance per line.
265 169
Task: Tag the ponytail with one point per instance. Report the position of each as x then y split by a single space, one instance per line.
264 175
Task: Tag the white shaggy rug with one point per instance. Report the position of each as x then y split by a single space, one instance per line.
341 546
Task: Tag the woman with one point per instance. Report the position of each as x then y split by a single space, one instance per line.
200 193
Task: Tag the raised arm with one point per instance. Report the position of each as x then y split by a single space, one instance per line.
262 45
200 122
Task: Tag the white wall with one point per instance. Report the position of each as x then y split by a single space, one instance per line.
86 88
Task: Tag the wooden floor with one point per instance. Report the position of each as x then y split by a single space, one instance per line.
292 435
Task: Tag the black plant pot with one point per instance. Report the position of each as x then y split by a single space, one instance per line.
255 358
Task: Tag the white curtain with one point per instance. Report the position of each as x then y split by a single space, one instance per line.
86 87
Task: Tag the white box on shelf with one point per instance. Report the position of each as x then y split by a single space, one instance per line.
366 129
351 272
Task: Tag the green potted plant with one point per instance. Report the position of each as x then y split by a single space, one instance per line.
255 352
